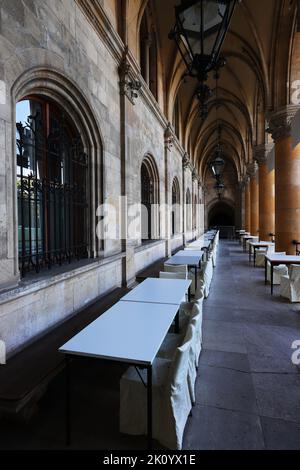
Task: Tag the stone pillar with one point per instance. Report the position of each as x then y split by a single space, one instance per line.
287 179
266 193
169 141
194 206
185 166
254 196
247 205
241 222
129 86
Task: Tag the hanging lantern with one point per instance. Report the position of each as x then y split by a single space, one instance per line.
199 33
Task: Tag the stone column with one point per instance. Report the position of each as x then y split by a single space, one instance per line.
247 205
185 166
129 86
287 179
254 196
241 222
169 141
266 193
194 206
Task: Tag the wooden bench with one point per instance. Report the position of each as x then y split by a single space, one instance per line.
24 379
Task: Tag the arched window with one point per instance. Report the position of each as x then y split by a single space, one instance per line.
176 207
52 198
149 200
148 53
188 202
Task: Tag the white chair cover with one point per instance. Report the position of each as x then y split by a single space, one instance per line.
164 275
290 284
171 398
255 239
278 271
214 256
260 255
176 269
206 276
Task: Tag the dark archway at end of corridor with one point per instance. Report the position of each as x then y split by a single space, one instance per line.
222 215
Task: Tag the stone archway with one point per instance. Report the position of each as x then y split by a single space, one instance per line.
221 214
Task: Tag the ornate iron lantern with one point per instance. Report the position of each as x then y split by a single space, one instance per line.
199 33
219 188
217 164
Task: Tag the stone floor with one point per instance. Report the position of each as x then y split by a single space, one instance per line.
247 388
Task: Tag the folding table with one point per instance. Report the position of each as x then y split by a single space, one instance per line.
130 333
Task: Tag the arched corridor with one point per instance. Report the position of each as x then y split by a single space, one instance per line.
221 214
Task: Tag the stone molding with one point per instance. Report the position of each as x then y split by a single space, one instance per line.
252 169
280 122
262 152
98 18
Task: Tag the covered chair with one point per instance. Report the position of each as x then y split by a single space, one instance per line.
187 309
172 341
290 284
278 271
206 275
164 275
214 255
254 240
260 255
169 268
171 398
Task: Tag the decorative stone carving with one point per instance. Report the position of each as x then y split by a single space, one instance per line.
280 122
252 169
185 161
261 153
130 85
169 137
194 175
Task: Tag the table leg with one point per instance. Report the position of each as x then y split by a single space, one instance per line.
149 407
254 256
272 278
68 402
189 294
250 254
266 271
177 326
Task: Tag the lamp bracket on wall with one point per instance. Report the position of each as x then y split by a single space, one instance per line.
130 85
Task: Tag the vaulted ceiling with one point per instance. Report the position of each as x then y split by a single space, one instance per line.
257 49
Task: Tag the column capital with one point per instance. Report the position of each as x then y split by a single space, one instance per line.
261 153
252 169
280 122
